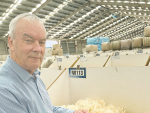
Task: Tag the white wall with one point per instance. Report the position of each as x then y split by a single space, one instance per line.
126 87
122 86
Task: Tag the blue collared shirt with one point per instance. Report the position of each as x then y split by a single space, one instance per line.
21 92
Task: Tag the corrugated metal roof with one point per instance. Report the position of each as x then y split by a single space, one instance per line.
80 19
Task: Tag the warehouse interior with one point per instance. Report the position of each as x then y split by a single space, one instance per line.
110 39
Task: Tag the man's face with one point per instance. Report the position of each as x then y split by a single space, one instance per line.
29 44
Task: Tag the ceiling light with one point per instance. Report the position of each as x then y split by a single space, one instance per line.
4 14
56 10
7 10
102 20
47 17
43 1
33 9
71 23
38 5
79 19
68 26
3 18
60 6
141 2
106 18
111 1
7 14
6 34
98 7
75 21
126 1
51 13
65 3
10 10
83 16
15 6
93 10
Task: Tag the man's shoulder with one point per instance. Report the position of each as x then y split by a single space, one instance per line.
6 77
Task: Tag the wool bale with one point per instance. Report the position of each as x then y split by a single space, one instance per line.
126 44
88 48
47 63
146 41
54 52
105 46
60 52
116 45
56 46
57 51
137 42
147 31
83 50
94 47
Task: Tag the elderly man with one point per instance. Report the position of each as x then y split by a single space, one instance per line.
21 89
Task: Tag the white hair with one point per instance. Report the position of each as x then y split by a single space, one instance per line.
29 17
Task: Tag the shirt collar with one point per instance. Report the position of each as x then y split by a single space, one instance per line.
21 72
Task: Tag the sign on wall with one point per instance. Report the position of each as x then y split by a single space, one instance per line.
59 59
116 55
77 73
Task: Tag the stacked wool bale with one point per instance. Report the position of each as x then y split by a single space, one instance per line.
106 46
95 106
97 41
137 42
90 48
126 44
146 39
116 45
57 50
147 31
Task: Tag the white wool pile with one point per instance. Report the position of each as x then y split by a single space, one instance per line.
47 63
95 106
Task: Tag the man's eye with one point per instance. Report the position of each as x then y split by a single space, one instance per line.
42 42
28 41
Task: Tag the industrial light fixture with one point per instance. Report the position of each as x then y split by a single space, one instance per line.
111 1
79 19
37 6
141 2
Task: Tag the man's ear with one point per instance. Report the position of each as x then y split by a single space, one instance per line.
11 43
